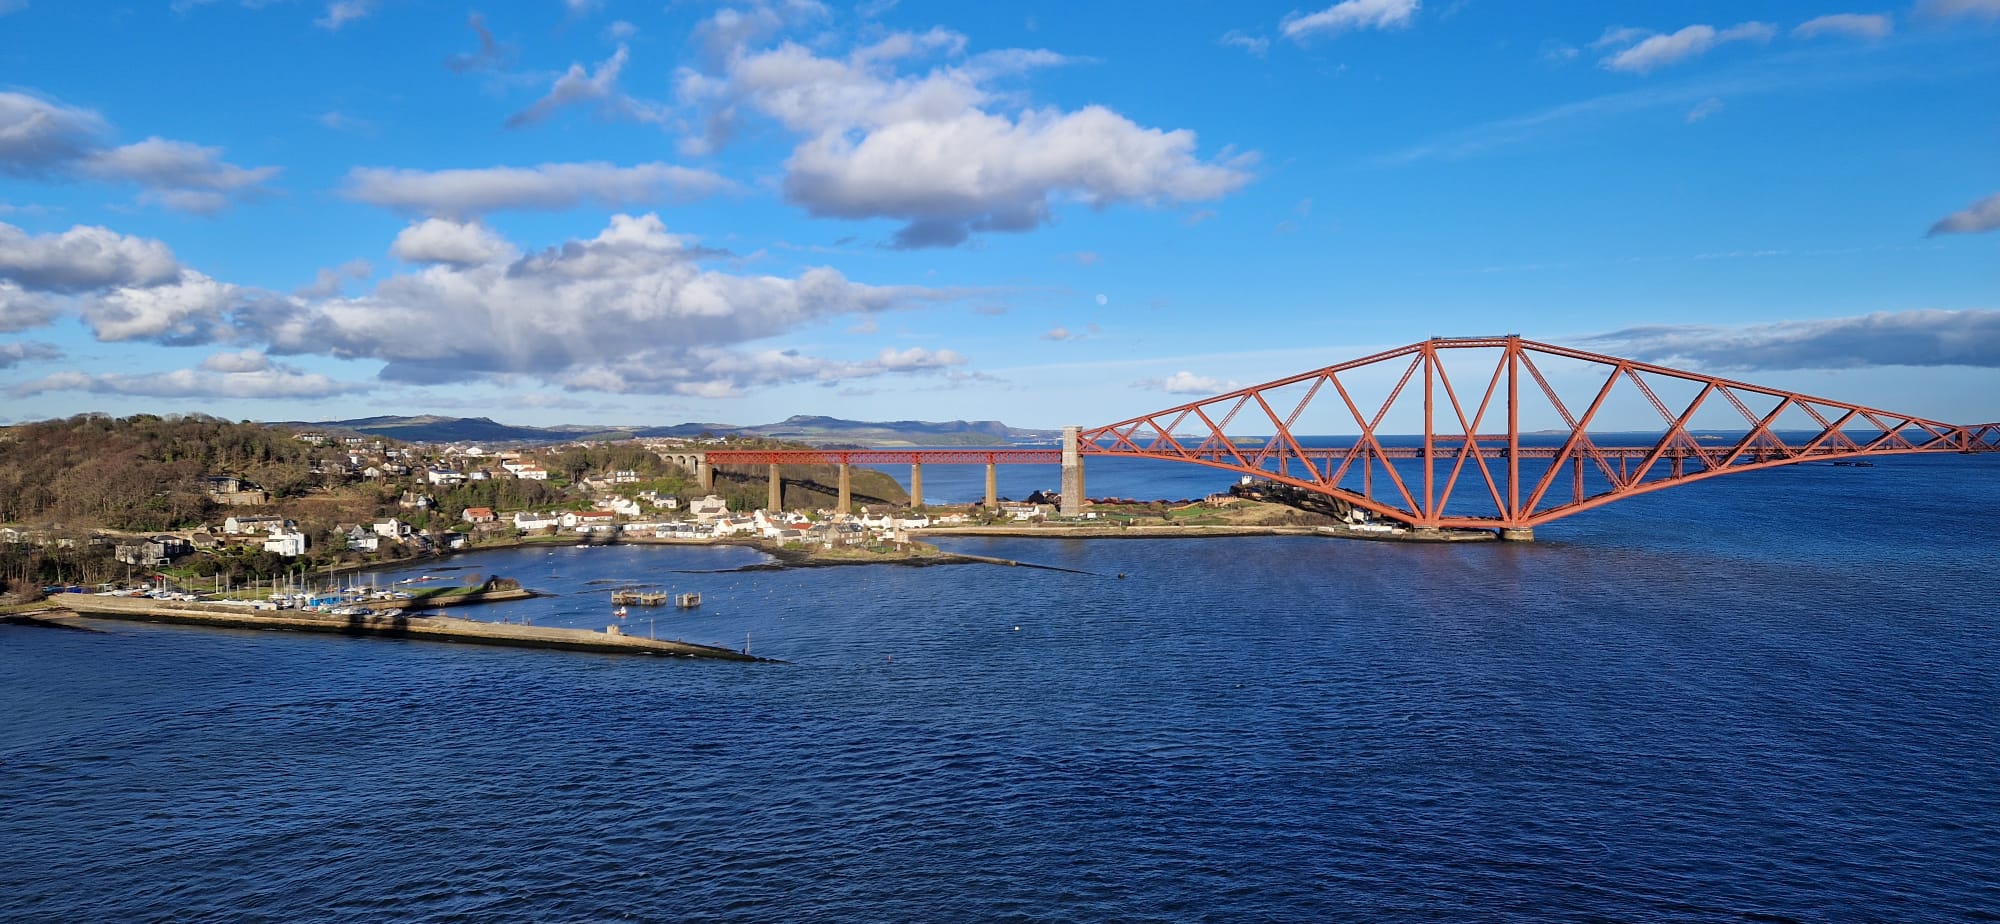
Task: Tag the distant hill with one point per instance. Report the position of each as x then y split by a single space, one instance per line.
799 429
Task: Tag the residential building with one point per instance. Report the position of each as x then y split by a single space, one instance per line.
290 543
588 520
358 538
238 525
529 522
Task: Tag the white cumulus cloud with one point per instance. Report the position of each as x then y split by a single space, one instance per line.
330 280
190 310
83 258
17 352
438 240
547 187
271 381
1851 25
341 12
21 309
940 148
1348 16
1659 50
597 89
1983 215
634 297
43 138
38 135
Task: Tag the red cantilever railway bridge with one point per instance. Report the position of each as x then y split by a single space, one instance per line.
1470 462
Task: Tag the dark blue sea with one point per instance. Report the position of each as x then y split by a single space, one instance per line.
1767 697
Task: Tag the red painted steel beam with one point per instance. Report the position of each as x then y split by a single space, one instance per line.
1634 472
884 456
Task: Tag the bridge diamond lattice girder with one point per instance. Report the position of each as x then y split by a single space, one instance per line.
1465 449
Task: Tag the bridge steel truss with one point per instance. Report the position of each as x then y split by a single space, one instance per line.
1472 436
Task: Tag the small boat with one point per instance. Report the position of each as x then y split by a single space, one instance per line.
619 612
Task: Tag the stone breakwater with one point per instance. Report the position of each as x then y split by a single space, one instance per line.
425 628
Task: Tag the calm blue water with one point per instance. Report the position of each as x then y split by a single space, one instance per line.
1769 697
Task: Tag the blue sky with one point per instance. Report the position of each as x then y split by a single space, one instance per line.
613 211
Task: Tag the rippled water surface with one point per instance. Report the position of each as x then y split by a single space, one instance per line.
1769 697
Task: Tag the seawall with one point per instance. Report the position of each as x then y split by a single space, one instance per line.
426 628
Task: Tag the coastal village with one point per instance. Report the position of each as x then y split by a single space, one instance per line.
591 506
364 501
213 505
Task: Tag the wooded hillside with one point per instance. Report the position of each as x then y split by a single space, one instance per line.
142 472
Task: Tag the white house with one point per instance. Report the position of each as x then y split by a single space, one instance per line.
392 528
731 526
709 508
290 543
444 476
532 521
623 506
237 526
528 470
585 520
359 538
877 520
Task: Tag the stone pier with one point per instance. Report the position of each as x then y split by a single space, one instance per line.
1520 534
992 486
1072 474
846 503
916 484
777 502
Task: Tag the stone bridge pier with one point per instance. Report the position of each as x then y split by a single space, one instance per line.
694 463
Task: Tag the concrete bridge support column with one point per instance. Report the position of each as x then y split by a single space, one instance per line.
846 490
704 473
1072 474
916 484
777 501
992 486
1517 534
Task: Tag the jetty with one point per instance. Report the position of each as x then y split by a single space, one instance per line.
638 598
426 628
